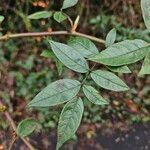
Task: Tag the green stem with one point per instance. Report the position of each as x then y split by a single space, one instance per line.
87 74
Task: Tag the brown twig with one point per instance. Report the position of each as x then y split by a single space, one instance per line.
13 126
53 33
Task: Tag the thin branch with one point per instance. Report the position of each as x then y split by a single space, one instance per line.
53 33
12 124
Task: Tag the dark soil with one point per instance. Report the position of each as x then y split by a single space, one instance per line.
135 137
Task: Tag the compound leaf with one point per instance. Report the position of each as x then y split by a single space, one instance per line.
108 80
69 57
69 121
93 95
56 93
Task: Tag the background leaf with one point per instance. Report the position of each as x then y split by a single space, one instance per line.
111 37
56 93
108 80
69 3
119 69
1 18
26 127
47 54
59 16
93 95
69 57
146 65
122 53
84 46
69 120
50 54
40 15
145 5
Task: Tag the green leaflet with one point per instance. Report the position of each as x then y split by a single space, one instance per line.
111 37
40 15
59 66
26 127
1 18
122 53
69 57
59 16
145 5
56 93
69 3
47 54
93 95
146 65
108 80
119 69
69 121
84 46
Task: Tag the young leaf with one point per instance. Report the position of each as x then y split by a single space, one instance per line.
26 127
59 16
145 5
40 15
69 121
84 46
69 3
69 57
122 53
146 65
93 95
1 18
120 69
108 80
56 93
59 66
111 37
47 54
